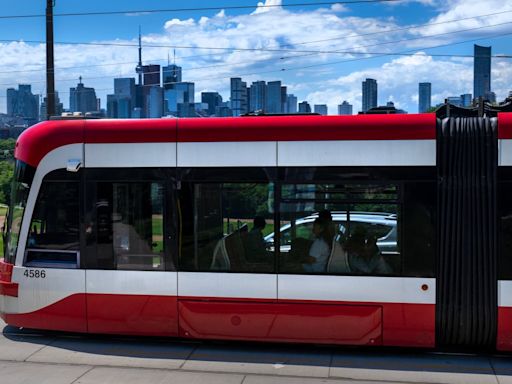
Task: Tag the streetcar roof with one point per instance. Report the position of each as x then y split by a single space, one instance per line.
38 140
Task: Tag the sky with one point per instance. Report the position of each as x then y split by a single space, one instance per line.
321 52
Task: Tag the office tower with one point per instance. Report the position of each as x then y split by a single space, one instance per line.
273 103
82 99
345 108
258 96
284 107
291 103
481 71
455 100
424 97
321 109
304 107
124 99
151 74
155 102
369 94
238 97
180 93
490 96
59 108
223 110
466 99
213 100
171 74
22 102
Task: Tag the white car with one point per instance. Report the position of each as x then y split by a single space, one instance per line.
377 224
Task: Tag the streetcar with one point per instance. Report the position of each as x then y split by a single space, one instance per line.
378 230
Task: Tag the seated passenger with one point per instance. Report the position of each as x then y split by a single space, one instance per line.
255 246
320 249
364 254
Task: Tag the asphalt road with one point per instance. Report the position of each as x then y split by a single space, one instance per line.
28 356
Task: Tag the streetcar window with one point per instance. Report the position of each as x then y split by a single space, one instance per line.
23 175
339 228
53 239
126 225
225 225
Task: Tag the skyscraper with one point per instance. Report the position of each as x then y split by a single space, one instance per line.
82 99
238 98
22 102
291 103
304 107
424 97
273 102
258 96
481 71
320 109
180 93
213 100
369 94
345 108
171 74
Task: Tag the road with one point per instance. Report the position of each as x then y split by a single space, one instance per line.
29 356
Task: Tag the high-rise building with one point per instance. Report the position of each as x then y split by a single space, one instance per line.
155 102
180 93
124 99
59 108
321 109
273 102
124 87
369 94
345 108
466 99
284 91
213 100
291 103
238 97
304 107
481 71
424 97
455 100
22 102
82 99
171 74
258 96
151 74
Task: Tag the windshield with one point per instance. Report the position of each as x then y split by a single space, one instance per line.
23 175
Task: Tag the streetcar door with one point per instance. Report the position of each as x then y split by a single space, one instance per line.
131 281
51 283
227 285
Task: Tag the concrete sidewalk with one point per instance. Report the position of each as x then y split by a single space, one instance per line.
31 356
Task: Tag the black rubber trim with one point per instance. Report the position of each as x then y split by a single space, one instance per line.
467 158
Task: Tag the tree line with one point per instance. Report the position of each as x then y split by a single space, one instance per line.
6 168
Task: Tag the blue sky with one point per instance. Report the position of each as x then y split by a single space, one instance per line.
320 75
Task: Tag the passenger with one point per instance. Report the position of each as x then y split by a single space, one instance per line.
320 250
255 246
364 254
327 217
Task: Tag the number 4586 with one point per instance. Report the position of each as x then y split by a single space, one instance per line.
35 273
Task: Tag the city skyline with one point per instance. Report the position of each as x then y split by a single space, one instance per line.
325 78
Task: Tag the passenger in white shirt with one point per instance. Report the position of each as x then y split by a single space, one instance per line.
320 249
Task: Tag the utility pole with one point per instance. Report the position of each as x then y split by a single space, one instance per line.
50 69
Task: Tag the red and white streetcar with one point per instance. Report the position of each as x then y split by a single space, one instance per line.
391 230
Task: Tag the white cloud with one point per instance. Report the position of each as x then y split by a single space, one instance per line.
326 29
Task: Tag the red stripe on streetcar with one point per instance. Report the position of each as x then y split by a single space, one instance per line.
8 289
37 141
306 128
6 271
504 125
390 324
